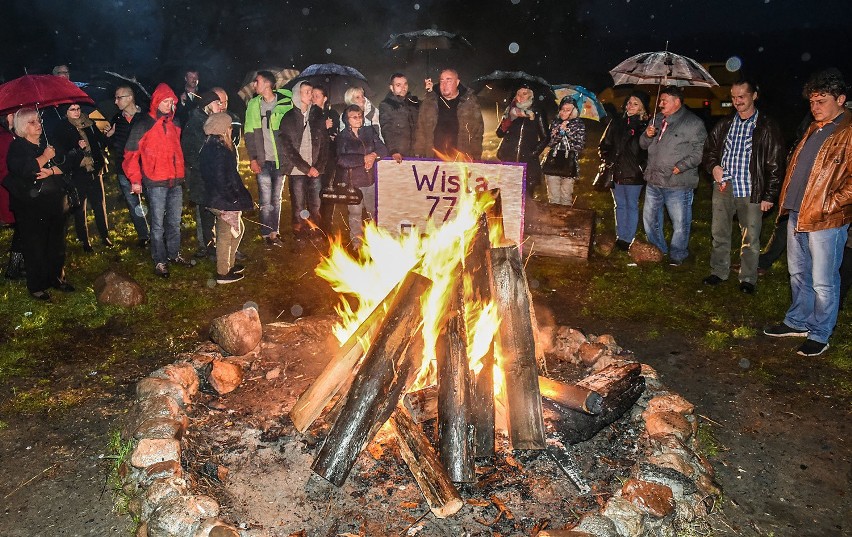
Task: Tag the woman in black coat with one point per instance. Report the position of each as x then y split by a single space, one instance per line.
524 135
84 145
619 148
37 191
358 148
225 194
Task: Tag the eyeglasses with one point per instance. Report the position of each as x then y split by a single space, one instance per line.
74 109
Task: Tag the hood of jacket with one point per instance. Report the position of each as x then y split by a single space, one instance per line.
161 93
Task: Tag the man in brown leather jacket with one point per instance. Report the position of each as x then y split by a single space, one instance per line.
744 154
817 194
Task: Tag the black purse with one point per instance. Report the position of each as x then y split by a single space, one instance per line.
561 163
604 179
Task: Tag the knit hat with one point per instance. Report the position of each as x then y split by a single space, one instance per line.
217 123
643 97
208 97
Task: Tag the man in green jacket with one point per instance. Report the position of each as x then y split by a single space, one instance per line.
263 121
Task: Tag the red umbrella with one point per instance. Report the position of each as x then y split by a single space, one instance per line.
39 91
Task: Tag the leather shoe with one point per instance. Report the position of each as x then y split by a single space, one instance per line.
88 248
65 287
747 288
41 295
712 280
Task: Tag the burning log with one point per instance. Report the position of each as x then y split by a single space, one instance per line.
437 487
494 216
422 404
478 266
377 387
339 370
570 395
619 385
456 433
517 350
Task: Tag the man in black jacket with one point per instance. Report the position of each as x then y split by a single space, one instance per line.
398 118
744 154
128 115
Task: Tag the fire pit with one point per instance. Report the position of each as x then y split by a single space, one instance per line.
429 416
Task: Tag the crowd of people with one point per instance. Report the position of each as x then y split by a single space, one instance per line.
187 142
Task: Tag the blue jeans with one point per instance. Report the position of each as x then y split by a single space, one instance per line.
678 203
304 201
813 260
270 184
626 200
136 214
165 205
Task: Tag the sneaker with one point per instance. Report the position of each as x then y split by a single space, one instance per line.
41 295
273 241
622 245
180 260
712 280
161 270
747 288
228 278
812 348
237 269
65 287
675 262
784 330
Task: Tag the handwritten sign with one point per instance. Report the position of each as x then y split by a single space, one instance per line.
414 191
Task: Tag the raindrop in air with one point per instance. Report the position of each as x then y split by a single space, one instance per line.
416 7
140 210
733 64
760 49
513 48
211 283
252 305
306 11
297 310
516 2
328 51
304 214
806 56
745 363
535 284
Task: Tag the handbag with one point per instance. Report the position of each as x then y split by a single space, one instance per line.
561 163
605 178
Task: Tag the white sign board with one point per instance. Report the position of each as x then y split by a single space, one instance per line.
416 190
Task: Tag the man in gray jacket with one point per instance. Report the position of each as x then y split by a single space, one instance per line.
674 141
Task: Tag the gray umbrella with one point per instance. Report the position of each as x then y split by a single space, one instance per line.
662 68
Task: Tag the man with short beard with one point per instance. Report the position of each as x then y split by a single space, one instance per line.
449 121
398 118
817 195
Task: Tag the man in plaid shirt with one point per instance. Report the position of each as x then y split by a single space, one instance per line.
744 154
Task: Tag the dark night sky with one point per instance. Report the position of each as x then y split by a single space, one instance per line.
567 41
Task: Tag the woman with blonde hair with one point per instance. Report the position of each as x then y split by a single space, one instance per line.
561 166
37 191
619 149
371 113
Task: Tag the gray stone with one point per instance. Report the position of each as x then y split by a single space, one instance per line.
160 470
237 333
159 490
150 386
597 525
626 516
213 527
158 406
681 485
161 428
117 289
180 516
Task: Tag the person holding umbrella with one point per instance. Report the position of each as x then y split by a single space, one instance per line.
83 145
38 200
675 143
524 136
619 150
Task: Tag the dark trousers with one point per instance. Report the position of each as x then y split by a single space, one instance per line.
41 228
776 245
90 188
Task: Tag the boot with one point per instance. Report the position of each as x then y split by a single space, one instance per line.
15 268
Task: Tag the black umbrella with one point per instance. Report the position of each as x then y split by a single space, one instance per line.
335 78
427 41
500 83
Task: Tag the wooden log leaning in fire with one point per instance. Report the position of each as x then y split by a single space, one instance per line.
383 377
570 395
478 268
434 482
456 433
517 349
619 385
339 370
494 215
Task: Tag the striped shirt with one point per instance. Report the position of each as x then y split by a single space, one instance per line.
737 155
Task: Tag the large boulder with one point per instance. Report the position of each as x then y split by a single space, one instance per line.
118 289
237 333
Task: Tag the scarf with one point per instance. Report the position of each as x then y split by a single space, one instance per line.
81 124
